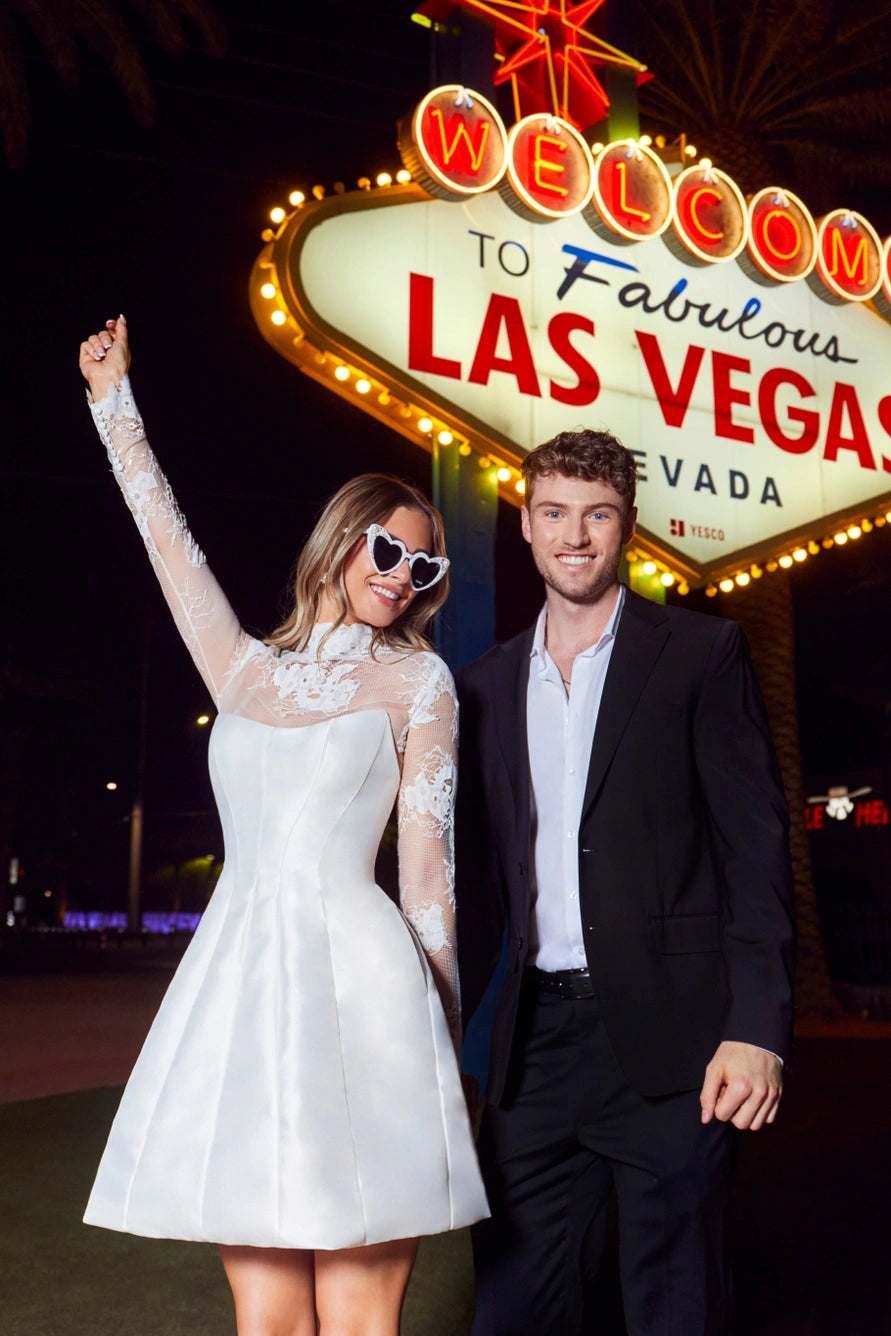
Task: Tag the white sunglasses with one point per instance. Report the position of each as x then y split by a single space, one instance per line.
388 553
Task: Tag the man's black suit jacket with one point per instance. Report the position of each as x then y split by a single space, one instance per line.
685 882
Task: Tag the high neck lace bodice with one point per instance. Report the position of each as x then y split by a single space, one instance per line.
345 642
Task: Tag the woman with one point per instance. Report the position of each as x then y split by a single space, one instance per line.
298 1099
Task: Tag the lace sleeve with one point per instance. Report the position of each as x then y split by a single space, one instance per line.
200 609
426 819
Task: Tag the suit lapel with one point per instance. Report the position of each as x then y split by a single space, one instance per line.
640 639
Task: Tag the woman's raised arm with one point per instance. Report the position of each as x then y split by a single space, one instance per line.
200 609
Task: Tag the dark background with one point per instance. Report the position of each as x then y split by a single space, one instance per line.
164 224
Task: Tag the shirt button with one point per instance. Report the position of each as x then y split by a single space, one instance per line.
572 772
580 950
570 834
573 895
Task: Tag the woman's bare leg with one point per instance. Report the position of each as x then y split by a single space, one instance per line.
360 1291
273 1289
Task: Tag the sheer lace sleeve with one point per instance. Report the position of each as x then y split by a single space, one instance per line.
200 609
426 816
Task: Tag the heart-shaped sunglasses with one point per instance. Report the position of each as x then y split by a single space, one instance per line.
388 553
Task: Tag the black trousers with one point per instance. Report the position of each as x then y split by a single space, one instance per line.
573 1131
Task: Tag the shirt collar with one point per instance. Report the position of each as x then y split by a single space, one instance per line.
539 650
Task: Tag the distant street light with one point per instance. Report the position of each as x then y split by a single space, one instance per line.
203 719
111 786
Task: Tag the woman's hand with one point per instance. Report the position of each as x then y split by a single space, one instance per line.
105 357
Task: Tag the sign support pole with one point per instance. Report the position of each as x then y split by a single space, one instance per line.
467 497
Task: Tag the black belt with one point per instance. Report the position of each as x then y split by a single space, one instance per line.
570 984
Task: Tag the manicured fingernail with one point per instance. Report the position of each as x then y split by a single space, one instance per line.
122 317
98 357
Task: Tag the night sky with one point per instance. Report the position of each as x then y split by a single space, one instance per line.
164 224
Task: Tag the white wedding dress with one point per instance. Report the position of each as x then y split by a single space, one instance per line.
299 1087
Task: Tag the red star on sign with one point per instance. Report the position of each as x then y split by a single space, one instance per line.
544 49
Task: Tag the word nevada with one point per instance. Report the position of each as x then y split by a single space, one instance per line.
456 146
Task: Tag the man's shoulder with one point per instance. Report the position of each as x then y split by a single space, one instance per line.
499 659
684 622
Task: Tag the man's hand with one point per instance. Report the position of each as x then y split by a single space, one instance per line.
743 1085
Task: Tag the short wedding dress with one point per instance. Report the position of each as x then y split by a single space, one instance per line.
299 1087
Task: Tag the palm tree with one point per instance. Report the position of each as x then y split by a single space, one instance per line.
790 92
773 89
66 30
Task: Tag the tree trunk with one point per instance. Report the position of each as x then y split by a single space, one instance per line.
764 611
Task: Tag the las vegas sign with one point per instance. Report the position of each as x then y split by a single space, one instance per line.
518 285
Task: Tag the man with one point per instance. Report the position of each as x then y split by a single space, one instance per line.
621 816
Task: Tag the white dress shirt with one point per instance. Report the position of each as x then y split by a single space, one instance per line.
560 728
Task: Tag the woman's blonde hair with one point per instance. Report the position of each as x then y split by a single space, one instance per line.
369 499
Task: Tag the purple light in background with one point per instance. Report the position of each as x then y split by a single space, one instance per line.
96 921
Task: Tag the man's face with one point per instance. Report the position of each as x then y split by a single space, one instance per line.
576 530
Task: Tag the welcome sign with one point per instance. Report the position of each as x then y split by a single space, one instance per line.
728 344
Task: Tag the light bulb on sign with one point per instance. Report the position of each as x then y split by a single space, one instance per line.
785 561
649 568
683 589
503 475
520 485
276 215
424 424
445 438
841 537
363 386
267 290
384 179
278 317
296 198
743 579
710 591
726 586
800 554
667 579
464 449
854 531
403 177
342 373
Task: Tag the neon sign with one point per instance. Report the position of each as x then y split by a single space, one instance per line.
454 143
632 195
761 418
849 257
782 237
549 169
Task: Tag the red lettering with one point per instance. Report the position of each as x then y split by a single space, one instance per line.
885 419
504 313
807 417
844 399
723 365
813 816
862 815
880 810
587 386
421 356
673 402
